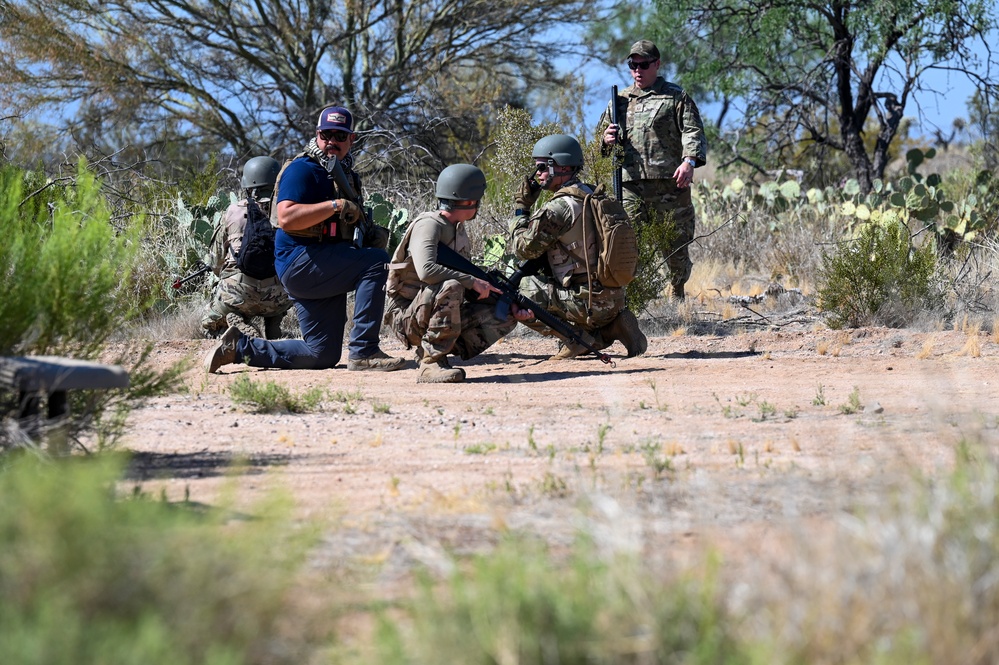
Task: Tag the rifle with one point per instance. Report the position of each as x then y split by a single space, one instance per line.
201 270
616 154
336 174
510 295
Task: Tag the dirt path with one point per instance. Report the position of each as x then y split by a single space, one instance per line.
705 437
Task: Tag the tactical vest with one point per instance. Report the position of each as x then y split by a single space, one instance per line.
403 280
316 231
568 258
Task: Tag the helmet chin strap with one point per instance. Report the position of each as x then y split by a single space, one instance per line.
447 204
550 186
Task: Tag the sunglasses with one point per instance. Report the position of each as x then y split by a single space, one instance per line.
639 65
337 135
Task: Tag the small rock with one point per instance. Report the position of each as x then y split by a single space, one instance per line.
876 408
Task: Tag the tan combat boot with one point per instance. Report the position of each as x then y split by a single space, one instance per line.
245 324
379 361
624 328
569 349
439 372
225 352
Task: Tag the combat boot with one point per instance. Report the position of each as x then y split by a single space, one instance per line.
439 372
379 361
245 324
570 349
678 292
624 328
225 352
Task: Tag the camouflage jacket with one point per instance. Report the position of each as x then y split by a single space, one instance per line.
414 263
557 230
662 127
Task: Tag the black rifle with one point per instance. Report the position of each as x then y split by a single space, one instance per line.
201 270
337 175
510 295
616 154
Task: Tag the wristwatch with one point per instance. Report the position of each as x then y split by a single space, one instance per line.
691 161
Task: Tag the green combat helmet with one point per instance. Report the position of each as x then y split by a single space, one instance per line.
563 150
260 173
460 182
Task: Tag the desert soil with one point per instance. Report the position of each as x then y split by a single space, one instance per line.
709 438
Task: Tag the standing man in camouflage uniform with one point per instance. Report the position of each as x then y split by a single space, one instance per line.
318 264
429 304
237 297
663 142
569 288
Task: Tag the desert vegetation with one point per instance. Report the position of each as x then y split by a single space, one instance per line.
820 215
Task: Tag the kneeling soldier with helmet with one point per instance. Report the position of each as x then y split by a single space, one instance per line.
239 297
434 308
569 288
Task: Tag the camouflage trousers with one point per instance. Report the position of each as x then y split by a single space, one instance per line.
573 305
643 198
440 321
244 297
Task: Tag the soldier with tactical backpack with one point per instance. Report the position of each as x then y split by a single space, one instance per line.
319 262
590 248
437 309
248 286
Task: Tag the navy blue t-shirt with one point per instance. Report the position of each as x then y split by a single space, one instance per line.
304 181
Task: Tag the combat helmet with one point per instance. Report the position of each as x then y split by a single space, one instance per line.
460 182
563 150
260 172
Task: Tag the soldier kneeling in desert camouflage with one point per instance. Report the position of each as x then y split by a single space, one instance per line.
427 305
238 297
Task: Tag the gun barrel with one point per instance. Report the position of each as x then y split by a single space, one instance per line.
181 281
618 185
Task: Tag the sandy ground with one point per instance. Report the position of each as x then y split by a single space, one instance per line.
707 438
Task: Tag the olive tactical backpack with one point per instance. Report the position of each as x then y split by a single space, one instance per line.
256 254
617 243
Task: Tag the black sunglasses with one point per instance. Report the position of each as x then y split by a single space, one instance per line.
337 135
639 65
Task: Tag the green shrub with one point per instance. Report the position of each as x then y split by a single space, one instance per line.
653 274
66 269
520 605
877 278
85 578
271 397
68 290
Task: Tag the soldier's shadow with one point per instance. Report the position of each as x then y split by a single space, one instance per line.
586 365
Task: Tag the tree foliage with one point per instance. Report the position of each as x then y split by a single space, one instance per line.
251 75
830 77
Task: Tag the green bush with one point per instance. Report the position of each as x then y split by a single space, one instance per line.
877 278
85 578
69 289
66 269
653 273
271 397
519 605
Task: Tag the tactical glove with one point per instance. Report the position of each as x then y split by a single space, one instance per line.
528 193
349 212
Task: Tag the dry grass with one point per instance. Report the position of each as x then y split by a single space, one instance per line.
973 345
927 350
